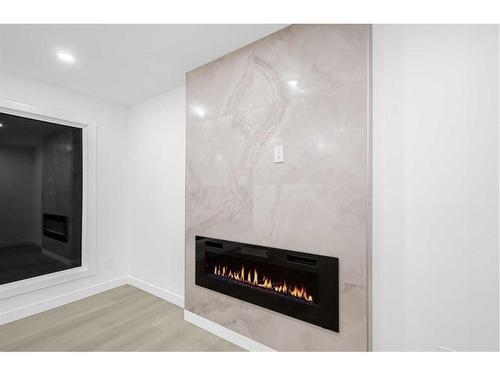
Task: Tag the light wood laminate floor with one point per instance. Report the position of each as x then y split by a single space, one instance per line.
121 319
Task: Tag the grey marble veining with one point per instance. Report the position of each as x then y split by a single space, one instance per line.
305 87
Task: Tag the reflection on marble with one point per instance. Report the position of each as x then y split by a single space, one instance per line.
305 87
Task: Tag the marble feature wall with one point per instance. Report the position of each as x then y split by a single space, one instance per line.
306 87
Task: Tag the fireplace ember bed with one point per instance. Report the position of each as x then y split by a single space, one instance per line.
303 286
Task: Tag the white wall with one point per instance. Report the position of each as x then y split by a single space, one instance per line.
435 224
156 192
112 158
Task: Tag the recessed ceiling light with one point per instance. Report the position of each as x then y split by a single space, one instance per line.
1 124
66 57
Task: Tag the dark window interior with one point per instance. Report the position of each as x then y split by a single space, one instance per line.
40 198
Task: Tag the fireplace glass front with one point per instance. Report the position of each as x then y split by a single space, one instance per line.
303 286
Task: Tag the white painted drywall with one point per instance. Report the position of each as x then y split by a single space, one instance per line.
112 158
435 187
156 191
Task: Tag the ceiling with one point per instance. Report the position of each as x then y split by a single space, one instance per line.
124 64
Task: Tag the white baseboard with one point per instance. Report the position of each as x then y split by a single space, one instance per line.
157 291
35 308
225 333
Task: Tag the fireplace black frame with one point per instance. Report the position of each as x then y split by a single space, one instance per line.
325 313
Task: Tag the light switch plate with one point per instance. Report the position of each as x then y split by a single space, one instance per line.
278 154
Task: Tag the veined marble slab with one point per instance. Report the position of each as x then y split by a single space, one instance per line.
306 87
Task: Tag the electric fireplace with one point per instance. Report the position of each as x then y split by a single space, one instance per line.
303 286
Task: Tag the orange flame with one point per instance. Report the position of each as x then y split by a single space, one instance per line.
266 283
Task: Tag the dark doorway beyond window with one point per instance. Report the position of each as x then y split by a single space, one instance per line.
40 198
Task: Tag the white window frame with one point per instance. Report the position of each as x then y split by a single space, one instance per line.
89 200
